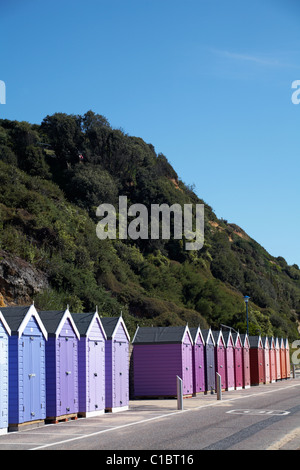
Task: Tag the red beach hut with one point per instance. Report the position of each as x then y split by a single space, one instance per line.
282 359
256 360
272 360
220 357
246 360
229 359
198 360
266 347
238 361
277 359
287 359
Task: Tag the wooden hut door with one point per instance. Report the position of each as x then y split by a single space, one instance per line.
121 373
3 381
187 369
246 366
210 367
32 377
67 379
96 375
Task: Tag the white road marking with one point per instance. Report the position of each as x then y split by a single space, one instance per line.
167 415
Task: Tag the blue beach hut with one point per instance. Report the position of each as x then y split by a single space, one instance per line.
27 374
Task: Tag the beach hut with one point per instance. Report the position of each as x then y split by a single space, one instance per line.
220 357
229 351
256 360
198 360
91 364
272 360
210 367
277 359
287 358
246 360
26 365
5 332
282 358
160 354
238 361
266 347
61 365
116 364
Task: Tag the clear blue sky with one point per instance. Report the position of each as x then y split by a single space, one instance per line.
207 82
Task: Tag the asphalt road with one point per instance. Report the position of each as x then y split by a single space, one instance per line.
260 418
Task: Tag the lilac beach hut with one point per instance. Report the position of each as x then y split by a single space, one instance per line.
160 354
91 364
61 365
116 364
198 360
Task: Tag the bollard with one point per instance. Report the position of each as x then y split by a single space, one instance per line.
179 394
219 386
294 371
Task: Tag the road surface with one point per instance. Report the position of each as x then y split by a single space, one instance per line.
260 418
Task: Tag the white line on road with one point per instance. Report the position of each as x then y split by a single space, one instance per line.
167 415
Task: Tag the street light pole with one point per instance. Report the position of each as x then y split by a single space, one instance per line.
246 298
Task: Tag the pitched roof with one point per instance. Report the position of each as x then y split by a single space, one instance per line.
18 317
208 334
265 341
244 338
83 322
110 325
218 335
227 335
160 334
54 321
195 332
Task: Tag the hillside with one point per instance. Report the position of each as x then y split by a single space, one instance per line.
52 178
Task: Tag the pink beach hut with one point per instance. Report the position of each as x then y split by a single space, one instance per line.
272 353
246 360
220 357
229 359
277 359
238 361
266 349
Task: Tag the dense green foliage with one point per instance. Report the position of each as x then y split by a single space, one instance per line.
52 178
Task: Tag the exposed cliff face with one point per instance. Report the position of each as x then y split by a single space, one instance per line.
19 281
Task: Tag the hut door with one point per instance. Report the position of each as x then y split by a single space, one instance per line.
210 367
67 380
32 378
187 368
121 371
3 381
246 366
96 375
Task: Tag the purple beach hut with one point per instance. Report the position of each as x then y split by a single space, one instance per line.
116 364
198 360
61 365
160 354
91 364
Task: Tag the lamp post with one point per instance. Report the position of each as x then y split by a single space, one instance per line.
246 298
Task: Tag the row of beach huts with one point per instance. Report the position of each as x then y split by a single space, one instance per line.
58 365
